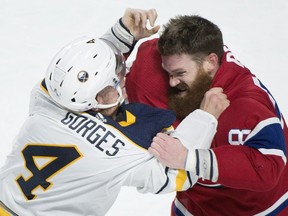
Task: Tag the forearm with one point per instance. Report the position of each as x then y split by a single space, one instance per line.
244 167
155 178
120 36
197 130
238 167
203 163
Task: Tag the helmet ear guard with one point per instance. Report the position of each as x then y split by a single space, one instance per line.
119 100
80 70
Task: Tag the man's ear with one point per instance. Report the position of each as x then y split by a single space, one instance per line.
100 98
210 64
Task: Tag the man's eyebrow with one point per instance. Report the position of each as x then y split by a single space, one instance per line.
178 71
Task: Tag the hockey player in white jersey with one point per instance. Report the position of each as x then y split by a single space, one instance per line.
68 158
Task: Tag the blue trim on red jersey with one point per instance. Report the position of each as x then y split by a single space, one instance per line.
277 110
279 208
269 137
177 211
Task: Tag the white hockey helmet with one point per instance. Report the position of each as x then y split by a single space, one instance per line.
80 70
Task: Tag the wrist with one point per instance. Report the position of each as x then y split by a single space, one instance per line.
123 34
121 37
190 161
203 163
124 26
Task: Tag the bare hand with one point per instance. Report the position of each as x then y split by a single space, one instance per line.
169 151
136 21
215 102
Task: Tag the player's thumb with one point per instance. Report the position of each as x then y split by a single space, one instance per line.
154 30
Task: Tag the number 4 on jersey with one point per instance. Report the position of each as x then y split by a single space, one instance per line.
58 157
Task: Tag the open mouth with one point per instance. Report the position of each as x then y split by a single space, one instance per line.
178 91
181 93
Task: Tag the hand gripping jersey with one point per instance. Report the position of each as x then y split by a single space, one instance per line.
250 143
65 163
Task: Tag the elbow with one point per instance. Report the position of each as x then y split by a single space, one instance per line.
269 174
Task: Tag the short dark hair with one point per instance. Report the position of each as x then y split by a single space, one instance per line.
191 34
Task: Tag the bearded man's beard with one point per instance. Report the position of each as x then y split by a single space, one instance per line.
183 106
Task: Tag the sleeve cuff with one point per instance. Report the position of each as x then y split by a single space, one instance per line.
190 162
197 130
119 34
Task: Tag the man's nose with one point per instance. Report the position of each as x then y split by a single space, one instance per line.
173 81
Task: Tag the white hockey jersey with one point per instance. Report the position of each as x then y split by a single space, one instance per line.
65 163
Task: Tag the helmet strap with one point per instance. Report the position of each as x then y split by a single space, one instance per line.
119 100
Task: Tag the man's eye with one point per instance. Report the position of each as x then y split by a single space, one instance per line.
180 74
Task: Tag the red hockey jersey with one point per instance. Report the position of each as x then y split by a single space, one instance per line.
250 145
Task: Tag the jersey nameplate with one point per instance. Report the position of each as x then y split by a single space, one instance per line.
94 133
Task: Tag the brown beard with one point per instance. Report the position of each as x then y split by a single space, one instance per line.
183 106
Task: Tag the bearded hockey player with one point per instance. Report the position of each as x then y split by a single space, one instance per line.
248 172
